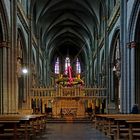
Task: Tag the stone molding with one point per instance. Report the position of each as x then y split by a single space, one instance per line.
131 44
4 44
23 18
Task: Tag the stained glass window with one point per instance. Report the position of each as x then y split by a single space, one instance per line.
67 63
57 69
78 66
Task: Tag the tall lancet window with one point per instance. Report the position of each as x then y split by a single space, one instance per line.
78 66
67 63
57 69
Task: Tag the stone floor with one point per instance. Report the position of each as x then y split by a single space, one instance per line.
72 131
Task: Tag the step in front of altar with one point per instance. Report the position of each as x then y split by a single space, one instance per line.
68 119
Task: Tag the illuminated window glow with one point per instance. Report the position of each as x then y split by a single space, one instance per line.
78 66
67 63
57 69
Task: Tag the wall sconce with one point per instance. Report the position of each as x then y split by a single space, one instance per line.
114 68
24 70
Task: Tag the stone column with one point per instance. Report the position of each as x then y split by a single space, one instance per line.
124 66
13 94
4 96
132 73
128 81
28 81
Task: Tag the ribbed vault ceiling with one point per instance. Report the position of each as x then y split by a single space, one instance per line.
66 26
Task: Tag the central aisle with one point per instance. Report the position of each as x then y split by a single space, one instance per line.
72 131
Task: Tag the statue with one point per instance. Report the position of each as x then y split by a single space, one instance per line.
19 66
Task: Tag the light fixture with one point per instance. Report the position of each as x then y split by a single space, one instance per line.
114 68
24 70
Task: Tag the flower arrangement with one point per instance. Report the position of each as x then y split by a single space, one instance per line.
66 81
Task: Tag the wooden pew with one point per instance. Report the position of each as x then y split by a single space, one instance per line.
11 121
120 125
22 125
128 131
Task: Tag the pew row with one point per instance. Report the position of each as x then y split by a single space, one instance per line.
119 126
21 126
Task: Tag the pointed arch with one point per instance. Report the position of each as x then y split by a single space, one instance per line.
4 24
4 61
115 70
132 27
21 62
134 45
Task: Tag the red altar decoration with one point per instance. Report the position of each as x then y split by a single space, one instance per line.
68 80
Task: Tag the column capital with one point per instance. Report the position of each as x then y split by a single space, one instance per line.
30 17
131 44
4 44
